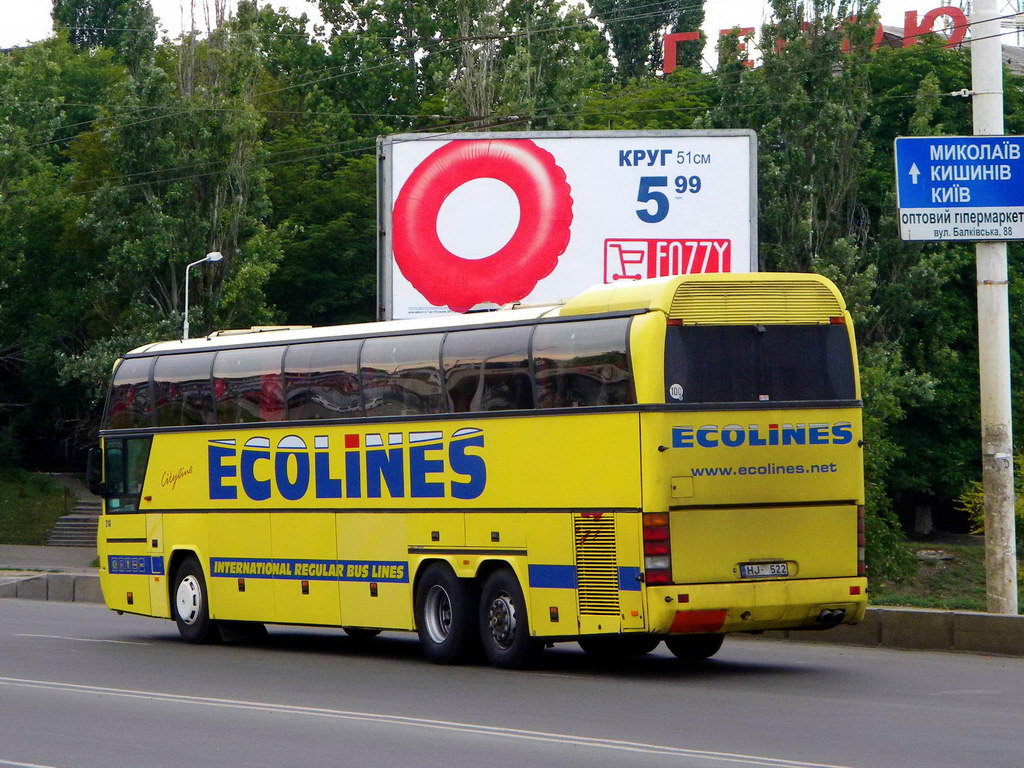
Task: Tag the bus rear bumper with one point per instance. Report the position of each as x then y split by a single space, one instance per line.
756 606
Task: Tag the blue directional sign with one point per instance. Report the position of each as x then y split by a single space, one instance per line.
960 187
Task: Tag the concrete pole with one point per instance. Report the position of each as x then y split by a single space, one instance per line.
994 334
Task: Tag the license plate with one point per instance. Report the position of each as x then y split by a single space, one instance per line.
763 570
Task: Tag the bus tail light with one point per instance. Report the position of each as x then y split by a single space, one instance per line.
657 549
862 569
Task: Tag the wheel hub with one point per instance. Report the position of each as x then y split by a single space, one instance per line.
189 599
438 613
502 620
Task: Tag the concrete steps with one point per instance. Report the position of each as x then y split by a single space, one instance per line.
78 528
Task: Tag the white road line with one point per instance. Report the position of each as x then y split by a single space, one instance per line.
85 639
419 722
16 764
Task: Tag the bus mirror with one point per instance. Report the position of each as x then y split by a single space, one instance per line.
93 475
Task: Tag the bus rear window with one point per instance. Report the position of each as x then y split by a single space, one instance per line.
739 364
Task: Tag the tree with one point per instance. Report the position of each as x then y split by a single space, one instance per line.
96 23
635 28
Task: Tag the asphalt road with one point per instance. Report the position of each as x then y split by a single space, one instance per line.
81 687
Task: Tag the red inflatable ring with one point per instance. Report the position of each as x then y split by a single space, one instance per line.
545 213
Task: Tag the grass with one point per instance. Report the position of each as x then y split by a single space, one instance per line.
954 584
29 506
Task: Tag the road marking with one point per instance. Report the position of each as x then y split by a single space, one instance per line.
86 639
23 765
419 722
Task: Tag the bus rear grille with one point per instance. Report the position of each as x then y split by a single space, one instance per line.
597 573
738 303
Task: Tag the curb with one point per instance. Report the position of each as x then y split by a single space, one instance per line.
61 587
924 629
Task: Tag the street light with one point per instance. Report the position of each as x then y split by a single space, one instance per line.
212 256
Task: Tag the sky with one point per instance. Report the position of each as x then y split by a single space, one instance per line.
24 21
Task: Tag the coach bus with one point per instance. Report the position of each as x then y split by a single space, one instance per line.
666 460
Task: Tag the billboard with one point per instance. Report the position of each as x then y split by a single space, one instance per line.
537 217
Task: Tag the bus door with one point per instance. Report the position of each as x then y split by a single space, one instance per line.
124 529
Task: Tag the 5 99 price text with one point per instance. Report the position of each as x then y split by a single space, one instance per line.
650 192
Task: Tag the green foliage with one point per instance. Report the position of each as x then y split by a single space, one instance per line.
972 502
30 505
94 23
635 28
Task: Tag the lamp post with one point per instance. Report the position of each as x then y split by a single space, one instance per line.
212 256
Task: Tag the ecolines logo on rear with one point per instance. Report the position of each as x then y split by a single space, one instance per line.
734 435
399 465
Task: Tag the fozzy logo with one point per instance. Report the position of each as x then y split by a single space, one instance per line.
398 465
757 435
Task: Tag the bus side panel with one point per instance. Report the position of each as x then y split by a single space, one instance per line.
307 542
124 569
159 602
240 586
629 548
376 586
550 584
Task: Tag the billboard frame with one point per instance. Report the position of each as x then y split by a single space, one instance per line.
385 264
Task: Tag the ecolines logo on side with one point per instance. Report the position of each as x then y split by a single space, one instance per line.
408 465
734 435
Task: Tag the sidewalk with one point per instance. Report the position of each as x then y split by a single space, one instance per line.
49 573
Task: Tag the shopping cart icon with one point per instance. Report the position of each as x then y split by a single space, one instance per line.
625 260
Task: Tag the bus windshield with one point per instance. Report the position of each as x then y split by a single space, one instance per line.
744 363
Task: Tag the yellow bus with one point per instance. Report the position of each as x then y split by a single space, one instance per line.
668 460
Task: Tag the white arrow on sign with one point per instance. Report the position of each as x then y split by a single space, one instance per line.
914 173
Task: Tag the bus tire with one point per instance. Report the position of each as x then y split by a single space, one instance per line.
617 646
694 647
190 603
504 626
444 610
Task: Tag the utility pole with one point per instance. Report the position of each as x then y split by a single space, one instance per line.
994 334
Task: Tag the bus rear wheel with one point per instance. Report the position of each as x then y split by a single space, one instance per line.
191 605
617 646
694 647
504 626
444 608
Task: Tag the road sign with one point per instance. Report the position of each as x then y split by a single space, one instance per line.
535 217
960 187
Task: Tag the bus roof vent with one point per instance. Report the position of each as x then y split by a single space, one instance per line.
742 302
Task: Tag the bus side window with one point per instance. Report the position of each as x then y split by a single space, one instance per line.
322 380
401 375
247 385
130 404
488 369
182 391
125 464
583 363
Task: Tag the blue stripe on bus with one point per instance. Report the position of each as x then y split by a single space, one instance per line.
553 576
629 579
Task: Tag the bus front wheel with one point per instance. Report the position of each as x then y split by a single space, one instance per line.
504 627
694 647
444 607
191 603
